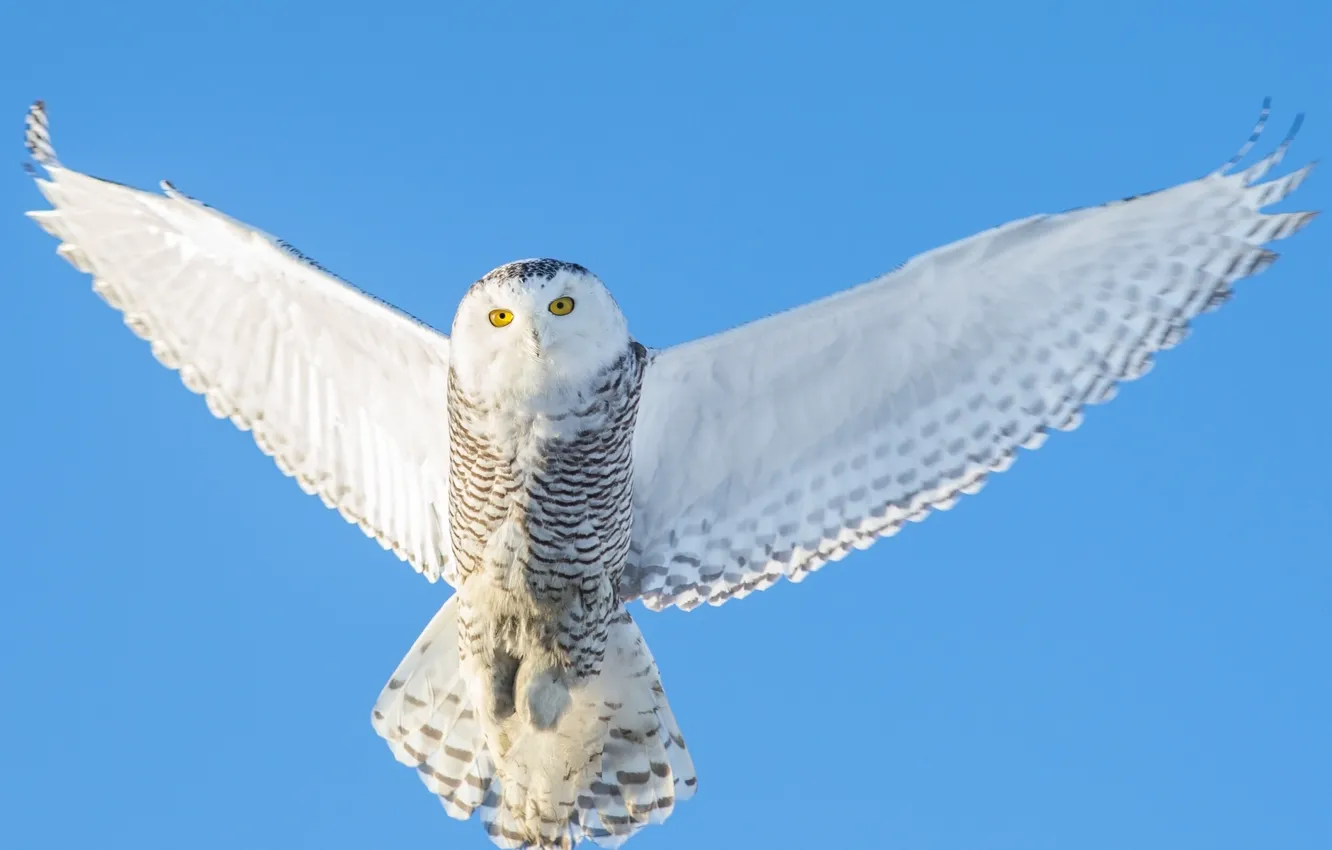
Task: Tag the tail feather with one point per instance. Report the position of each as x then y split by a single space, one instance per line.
616 763
645 767
426 717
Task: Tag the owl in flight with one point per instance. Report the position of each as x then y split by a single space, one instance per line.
552 469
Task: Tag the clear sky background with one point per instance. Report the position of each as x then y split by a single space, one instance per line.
1122 643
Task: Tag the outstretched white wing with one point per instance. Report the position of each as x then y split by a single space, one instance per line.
347 394
770 449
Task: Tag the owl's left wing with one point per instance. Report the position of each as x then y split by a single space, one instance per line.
768 450
346 393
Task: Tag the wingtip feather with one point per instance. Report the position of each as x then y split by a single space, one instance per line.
37 135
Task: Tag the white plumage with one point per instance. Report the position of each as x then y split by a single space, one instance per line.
768 450
756 454
341 389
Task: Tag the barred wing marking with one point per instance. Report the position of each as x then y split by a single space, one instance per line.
768 450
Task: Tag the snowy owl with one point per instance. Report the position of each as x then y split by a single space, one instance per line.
551 469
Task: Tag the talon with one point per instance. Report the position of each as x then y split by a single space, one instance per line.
547 698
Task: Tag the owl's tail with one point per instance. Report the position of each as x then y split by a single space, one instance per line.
614 762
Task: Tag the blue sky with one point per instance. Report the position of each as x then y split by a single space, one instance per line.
1121 643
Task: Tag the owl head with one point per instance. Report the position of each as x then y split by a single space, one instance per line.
535 327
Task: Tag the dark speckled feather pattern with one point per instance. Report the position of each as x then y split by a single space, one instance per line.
572 493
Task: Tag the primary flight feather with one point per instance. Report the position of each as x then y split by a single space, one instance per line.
552 469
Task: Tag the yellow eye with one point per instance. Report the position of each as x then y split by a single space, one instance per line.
500 318
562 306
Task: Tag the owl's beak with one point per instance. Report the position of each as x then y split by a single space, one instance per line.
534 345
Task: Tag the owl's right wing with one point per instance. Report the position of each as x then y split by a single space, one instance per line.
346 393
